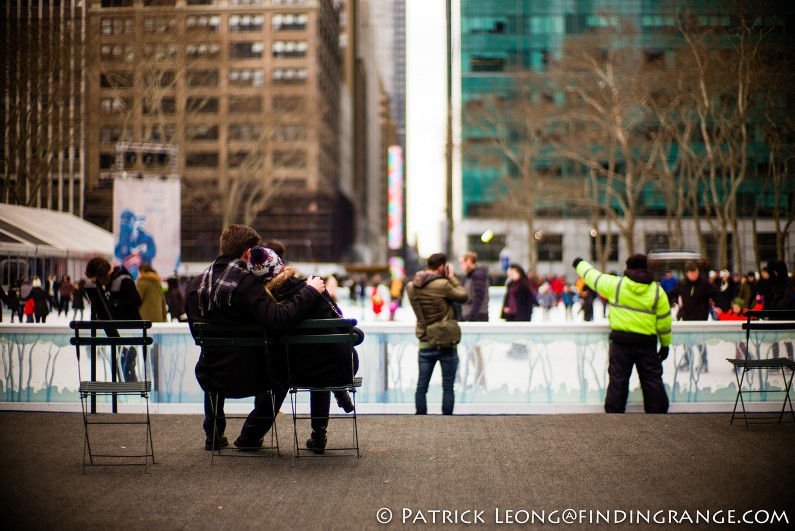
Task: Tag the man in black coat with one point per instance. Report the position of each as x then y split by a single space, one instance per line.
228 293
693 296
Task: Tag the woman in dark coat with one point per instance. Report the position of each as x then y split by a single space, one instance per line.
175 300
79 299
518 302
41 301
309 365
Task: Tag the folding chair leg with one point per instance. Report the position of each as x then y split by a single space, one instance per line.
293 404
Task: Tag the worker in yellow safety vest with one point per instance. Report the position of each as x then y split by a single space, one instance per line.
639 315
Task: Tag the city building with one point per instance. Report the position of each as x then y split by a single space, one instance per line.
245 95
42 84
508 60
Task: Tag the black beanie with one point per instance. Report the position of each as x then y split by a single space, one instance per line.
637 261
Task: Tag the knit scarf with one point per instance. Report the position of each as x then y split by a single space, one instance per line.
215 292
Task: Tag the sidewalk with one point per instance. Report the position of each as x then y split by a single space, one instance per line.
492 464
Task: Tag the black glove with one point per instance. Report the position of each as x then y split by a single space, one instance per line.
663 353
576 262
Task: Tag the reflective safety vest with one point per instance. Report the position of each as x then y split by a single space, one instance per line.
634 307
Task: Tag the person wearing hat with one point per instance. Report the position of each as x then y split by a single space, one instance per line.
309 365
737 313
693 296
227 293
639 316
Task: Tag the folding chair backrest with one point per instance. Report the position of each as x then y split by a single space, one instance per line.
310 332
772 321
214 335
112 336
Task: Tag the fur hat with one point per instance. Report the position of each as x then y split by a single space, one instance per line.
637 261
264 263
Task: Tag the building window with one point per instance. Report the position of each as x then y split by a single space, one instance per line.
203 22
546 25
290 133
246 50
116 52
286 76
110 134
202 78
106 161
486 64
158 133
116 80
160 51
486 251
289 22
246 77
114 105
201 160
117 26
116 3
245 104
288 103
245 131
162 106
201 105
237 158
202 50
159 78
612 253
550 248
289 48
202 132
159 24
289 159
202 2
161 3
239 23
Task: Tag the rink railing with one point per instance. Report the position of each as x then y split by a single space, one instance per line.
504 368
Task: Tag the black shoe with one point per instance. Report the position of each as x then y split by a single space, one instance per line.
344 400
220 442
316 443
249 446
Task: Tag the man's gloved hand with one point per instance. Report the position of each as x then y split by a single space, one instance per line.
576 262
663 353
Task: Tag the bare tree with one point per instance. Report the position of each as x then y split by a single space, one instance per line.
512 138
38 125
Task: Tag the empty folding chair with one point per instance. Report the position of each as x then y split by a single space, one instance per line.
123 381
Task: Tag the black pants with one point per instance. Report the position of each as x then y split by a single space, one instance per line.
256 425
319 405
622 357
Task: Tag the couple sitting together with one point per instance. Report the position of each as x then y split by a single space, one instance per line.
249 284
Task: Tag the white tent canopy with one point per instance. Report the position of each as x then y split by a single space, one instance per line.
50 233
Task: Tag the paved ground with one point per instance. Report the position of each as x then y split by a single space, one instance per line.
410 465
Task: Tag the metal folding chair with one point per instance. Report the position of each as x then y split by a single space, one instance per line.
209 336
322 332
91 389
776 320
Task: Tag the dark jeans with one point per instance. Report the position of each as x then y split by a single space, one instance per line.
256 425
622 357
448 359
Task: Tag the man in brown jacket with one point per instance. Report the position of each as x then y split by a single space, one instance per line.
432 293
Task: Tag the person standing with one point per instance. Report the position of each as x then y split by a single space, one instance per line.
432 293
693 296
65 292
748 290
227 293
175 300
79 299
639 315
518 302
153 301
476 284
42 302
51 286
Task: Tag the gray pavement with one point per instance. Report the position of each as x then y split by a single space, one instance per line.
410 465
